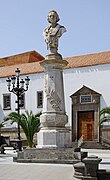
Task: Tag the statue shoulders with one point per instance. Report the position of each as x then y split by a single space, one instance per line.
61 30
58 26
57 30
47 29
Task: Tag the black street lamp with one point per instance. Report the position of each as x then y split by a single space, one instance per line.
18 89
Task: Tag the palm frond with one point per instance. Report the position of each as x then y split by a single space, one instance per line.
105 111
103 120
104 115
2 124
14 117
29 122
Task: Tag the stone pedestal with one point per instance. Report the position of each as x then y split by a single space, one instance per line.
87 169
53 138
46 155
53 132
91 165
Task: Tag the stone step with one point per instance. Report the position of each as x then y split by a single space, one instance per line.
94 145
106 145
50 155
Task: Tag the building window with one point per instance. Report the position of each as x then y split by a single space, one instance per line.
22 101
6 101
85 99
39 99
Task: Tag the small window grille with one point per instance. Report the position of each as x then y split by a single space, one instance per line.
6 101
39 99
85 99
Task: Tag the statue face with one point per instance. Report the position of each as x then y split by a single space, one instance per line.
52 17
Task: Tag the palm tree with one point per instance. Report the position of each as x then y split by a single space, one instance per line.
104 115
1 125
30 124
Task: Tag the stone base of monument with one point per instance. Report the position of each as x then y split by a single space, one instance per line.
50 155
54 138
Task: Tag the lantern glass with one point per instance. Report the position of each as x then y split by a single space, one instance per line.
17 71
8 82
27 81
22 83
13 79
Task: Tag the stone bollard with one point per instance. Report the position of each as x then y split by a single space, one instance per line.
79 155
79 170
91 167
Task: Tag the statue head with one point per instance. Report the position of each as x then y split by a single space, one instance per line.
52 15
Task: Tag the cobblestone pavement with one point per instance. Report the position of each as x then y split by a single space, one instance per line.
10 170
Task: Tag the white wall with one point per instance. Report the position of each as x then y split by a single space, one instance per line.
36 84
95 77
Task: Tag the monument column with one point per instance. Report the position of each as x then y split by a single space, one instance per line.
53 132
53 119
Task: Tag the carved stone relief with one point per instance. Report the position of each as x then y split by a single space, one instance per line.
53 99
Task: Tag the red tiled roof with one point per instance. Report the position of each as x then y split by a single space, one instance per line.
27 68
27 57
28 62
88 60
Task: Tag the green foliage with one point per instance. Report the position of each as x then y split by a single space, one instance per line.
1 125
104 115
30 124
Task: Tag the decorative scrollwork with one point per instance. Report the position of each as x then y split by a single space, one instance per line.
54 99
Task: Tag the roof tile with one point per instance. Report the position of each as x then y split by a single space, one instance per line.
88 60
28 62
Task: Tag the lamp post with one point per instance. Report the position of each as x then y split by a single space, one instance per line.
18 89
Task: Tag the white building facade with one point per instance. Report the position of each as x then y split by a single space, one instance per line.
86 74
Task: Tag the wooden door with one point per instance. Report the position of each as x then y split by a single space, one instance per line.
86 125
89 131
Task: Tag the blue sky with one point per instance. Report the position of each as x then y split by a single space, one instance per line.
23 21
